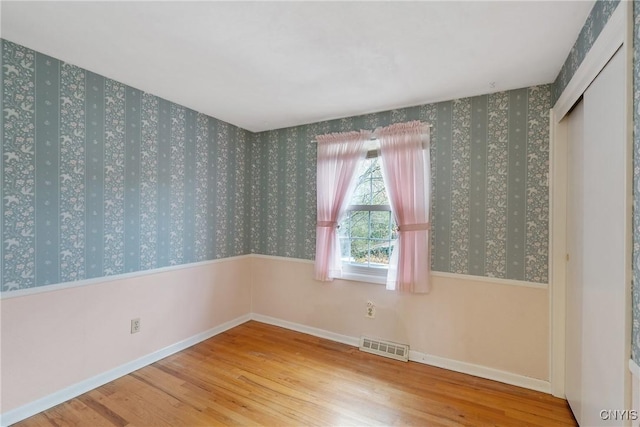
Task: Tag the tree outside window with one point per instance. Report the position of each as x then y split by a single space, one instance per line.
368 229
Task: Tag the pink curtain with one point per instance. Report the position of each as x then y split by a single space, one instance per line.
406 173
338 157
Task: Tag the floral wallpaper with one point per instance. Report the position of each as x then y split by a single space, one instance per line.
99 178
598 17
490 161
635 342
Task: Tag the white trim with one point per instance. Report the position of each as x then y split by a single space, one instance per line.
282 258
456 276
37 406
610 39
557 252
309 330
481 371
98 280
352 277
347 276
355 277
416 356
494 280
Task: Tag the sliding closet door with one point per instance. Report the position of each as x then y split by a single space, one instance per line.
605 301
597 237
575 231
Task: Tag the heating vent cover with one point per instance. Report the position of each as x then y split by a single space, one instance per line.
385 348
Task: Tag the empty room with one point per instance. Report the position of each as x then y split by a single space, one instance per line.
320 213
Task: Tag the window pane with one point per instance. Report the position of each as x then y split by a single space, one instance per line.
366 236
344 226
378 192
359 224
380 225
380 252
360 251
345 249
362 193
375 168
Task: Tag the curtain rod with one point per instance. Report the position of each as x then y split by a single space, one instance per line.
374 137
424 125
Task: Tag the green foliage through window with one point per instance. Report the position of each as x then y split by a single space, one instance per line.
368 229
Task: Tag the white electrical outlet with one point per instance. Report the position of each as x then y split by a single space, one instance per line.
371 310
135 325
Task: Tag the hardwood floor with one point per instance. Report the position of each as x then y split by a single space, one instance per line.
257 374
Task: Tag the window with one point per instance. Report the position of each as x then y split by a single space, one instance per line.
368 229
374 249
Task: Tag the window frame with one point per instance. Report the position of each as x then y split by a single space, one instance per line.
361 273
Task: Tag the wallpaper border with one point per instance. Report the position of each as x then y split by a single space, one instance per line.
124 276
142 273
457 276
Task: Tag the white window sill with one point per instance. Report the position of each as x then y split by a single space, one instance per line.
367 278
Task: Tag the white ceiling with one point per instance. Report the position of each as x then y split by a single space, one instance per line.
268 65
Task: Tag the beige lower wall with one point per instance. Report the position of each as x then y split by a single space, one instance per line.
52 340
500 326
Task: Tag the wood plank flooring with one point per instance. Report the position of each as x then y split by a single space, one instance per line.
257 374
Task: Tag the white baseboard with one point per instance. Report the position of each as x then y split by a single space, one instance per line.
32 408
416 356
481 371
75 390
321 333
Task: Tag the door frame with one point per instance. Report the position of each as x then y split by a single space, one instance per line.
617 32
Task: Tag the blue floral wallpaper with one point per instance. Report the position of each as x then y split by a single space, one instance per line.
99 178
598 17
490 161
635 347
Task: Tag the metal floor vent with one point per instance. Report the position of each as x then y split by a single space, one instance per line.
385 348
